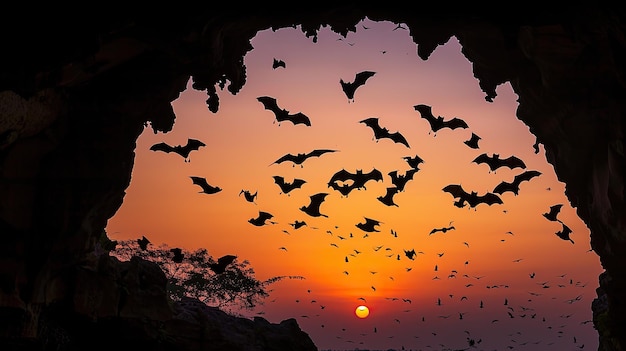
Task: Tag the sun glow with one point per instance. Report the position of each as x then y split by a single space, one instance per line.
362 311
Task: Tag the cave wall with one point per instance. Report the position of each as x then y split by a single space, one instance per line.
75 97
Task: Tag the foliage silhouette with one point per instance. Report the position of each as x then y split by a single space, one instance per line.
234 289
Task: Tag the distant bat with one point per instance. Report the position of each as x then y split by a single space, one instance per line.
473 199
278 63
300 158
143 243
400 180
248 195
286 187
472 141
297 224
414 161
437 123
222 263
554 211
359 178
206 188
514 186
410 254
192 145
262 219
380 132
281 114
313 208
443 230
349 88
178 255
388 198
369 225
494 162
564 233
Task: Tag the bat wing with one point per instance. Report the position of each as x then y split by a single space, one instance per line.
201 182
318 198
194 144
483 158
526 176
162 147
265 216
361 77
456 191
341 176
397 137
374 174
513 162
455 123
270 104
490 199
426 112
300 118
319 152
297 183
287 157
372 122
504 187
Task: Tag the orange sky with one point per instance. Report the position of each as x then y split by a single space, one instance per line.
480 261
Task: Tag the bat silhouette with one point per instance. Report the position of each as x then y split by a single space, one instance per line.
143 243
443 230
473 199
410 254
222 263
344 189
278 63
369 225
494 162
359 178
414 161
553 213
281 114
472 141
297 224
262 219
248 195
313 208
206 187
286 187
300 158
517 180
184 151
178 254
381 132
564 233
349 88
388 198
438 123
400 180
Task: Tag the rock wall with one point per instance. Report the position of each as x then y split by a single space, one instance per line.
75 94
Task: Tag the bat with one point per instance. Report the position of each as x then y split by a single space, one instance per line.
554 211
297 224
410 254
438 123
248 195
349 88
344 189
517 180
178 254
184 151
359 178
413 161
278 63
381 132
281 114
300 158
313 208
222 263
206 187
494 162
472 141
473 199
443 230
388 198
288 187
369 225
262 219
400 180
564 233
143 243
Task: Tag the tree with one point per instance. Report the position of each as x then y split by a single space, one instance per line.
192 276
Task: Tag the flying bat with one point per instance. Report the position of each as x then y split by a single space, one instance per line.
400 180
349 88
313 208
437 123
359 178
178 254
514 186
381 132
222 263
494 162
369 225
300 158
410 254
297 224
262 219
281 114
564 233
206 187
472 141
553 213
443 230
473 199
184 151
286 187
413 161
248 195
278 63
388 198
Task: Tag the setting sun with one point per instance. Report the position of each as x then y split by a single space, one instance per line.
362 311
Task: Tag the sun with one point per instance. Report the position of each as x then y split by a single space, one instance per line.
362 311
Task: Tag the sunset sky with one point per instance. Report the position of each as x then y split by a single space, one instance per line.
495 254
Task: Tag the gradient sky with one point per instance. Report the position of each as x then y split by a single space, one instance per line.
488 258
